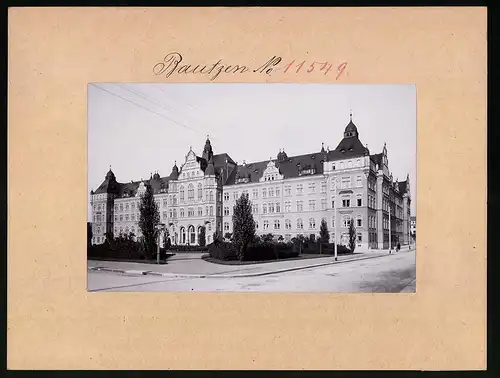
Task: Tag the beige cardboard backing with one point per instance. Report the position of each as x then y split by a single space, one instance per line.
53 323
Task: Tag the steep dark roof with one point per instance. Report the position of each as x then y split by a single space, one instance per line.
109 185
348 148
402 187
130 188
377 158
219 162
289 168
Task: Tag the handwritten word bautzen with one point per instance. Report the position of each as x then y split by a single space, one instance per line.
173 63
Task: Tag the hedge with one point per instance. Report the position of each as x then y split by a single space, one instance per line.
188 248
120 250
255 252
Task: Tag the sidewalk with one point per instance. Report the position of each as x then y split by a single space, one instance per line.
199 268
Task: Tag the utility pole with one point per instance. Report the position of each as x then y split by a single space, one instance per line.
390 245
335 224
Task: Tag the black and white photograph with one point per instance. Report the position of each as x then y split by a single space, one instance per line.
251 187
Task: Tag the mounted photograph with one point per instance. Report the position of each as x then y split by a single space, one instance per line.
251 187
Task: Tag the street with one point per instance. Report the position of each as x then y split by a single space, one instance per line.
383 274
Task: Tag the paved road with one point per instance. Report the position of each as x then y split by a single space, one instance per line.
387 274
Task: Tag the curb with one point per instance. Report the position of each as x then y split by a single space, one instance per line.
215 275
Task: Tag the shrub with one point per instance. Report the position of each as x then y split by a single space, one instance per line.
222 251
187 248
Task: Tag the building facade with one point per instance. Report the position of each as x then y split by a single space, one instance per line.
290 196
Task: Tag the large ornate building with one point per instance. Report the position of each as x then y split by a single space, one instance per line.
290 195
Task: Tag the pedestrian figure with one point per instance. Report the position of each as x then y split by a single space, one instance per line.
398 247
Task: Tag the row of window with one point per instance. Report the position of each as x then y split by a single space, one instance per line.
346 221
276 207
275 192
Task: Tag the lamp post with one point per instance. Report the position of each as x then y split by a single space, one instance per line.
159 227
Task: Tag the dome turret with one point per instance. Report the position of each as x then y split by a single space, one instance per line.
351 131
175 172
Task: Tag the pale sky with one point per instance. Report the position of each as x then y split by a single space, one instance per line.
142 128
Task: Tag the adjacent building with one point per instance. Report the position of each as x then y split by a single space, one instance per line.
290 196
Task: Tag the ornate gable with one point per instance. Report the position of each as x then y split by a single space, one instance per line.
271 173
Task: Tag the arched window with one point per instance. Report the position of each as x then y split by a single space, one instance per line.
182 213
312 223
183 235
349 164
181 191
300 225
288 224
278 209
192 235
190 192
346 221
277 224
211 210
200 191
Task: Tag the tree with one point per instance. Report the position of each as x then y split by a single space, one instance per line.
217 237
228 236
149 219
202 239
109 237
243 225
324 234
352 236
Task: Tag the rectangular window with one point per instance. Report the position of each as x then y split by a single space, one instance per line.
323 204
346 182
323 187
271 207
264 193
264 209
359 222
226 196
312 187
359 183
288 190
312 205
235 195
359 238
346 203
300 189
359 201
255 193
271 192
278 208
300 206
277 192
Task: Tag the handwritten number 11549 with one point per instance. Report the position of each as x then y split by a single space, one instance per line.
325 67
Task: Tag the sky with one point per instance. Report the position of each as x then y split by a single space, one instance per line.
141 128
